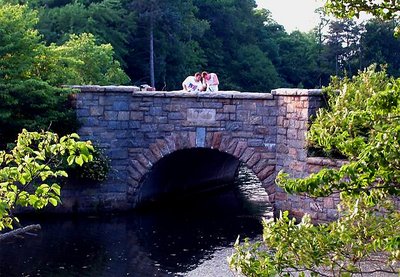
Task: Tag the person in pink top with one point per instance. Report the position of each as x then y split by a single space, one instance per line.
210 81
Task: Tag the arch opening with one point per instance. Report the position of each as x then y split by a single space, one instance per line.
186 173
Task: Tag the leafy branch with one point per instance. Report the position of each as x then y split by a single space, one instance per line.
29 173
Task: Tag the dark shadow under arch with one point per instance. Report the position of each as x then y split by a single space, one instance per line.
185 173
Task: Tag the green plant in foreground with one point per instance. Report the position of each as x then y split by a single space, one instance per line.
30 172
362 122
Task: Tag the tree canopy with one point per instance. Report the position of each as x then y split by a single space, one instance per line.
31 74
165 41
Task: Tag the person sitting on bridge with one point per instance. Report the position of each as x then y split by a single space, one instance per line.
193 83
210 81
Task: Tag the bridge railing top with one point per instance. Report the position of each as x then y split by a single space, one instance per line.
181 94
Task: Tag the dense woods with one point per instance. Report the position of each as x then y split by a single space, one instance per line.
165 41
46 44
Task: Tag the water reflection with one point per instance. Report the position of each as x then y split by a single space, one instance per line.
168 241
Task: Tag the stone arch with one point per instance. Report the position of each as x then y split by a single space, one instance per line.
257 159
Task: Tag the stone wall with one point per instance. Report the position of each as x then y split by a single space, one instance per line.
264 130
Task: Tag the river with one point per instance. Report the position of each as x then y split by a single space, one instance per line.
190 237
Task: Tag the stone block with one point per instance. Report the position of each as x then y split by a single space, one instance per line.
222 117
256 120
260 165
123 115
150 155
136 115
234 126
110 115
229 109
134 125
316 207
329 203
117 125
134 175
96 110
171 143
166 127
120 106
253 160
216 140
162 145
197 139
118 154
247 154
266 172
82 113
148 119
255 142
243 116
139 167
224 143
176 116
232 146
240 148
156 111
143 161
214 105
134 106
156 151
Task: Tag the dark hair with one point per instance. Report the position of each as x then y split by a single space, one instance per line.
197 73
204 73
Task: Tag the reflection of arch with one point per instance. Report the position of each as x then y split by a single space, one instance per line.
257 159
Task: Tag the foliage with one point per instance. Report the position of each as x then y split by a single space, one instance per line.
19 42
35 104
81 61
337 249
378 45
109 21
176 31
30 72
30 172
95 170
363 123
226 37
383 9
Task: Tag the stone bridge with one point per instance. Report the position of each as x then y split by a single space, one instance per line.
140 130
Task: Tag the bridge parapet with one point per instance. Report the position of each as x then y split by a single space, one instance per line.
138 128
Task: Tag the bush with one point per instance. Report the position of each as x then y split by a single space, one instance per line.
94 171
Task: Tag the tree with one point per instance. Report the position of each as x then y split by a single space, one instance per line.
298 60
30 72
236 29
343 46
362 123
166 42
80 60
30 172
378 45
383 9
108 20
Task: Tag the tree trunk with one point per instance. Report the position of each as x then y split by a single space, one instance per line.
19 231
152 81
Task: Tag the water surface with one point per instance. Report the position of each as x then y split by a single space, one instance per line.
176 239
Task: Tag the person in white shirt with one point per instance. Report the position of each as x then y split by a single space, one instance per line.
193 83
210 81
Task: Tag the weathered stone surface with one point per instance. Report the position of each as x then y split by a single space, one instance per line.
264 130
216 140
